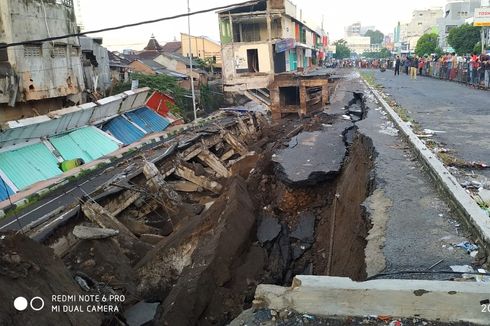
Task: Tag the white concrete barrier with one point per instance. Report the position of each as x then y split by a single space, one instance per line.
336 296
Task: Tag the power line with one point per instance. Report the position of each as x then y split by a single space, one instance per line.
54 38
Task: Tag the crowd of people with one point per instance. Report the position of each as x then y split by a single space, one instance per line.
472 69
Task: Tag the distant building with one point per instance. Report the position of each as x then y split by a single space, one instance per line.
172 47
37 78
201 47
353 30
422 22
364 29
359 44
119 67
455 13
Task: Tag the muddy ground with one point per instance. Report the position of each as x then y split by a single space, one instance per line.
201 265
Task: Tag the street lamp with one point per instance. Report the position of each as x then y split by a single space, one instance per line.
190 60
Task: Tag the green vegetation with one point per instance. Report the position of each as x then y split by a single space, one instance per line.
211 100
341 49
376 36
464 38
427 44
382 54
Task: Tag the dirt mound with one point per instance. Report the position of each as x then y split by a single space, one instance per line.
197 262
30 270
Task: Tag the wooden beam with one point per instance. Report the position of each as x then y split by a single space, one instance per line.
185 186
188 174
119 204
235 143
214 163
227 155
98 215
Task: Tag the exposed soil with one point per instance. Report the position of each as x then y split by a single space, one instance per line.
261 229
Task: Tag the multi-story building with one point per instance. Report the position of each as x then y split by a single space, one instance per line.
423 21
201 47
359 44
455 14
264 39
38 77
353 30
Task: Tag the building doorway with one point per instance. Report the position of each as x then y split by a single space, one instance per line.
253 60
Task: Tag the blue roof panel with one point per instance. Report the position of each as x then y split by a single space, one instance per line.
123 130
148 119
5 190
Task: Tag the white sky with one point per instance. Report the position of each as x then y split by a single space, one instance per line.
96 14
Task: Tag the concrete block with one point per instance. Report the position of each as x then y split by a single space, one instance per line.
336 296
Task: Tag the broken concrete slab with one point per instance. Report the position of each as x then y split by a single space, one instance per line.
445 301
305 230
312 157
152 238
268 229
92 233
141 313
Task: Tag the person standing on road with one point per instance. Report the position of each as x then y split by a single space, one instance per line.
397 65
407 64
413 68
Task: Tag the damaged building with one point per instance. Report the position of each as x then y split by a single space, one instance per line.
37 77
265 39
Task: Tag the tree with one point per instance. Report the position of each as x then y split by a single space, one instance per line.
341 49
427 44
168 85
376 36
384 53
464 38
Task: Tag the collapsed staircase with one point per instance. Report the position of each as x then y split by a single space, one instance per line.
260 96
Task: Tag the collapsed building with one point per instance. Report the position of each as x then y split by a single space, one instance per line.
266 45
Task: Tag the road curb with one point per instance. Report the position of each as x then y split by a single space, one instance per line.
474 217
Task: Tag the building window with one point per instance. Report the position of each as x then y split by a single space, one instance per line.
32 51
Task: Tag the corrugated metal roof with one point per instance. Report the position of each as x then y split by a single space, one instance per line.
148 119
5 190
123 130
87 143
28 165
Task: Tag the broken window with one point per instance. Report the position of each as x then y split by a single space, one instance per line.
253 60
249 32
289 96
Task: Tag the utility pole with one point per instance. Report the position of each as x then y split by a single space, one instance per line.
190 60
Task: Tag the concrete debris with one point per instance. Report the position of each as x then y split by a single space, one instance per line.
82 283
141 313
305 229
312 157
268 229
91 233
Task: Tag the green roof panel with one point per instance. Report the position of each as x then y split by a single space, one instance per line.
28 165
88 143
